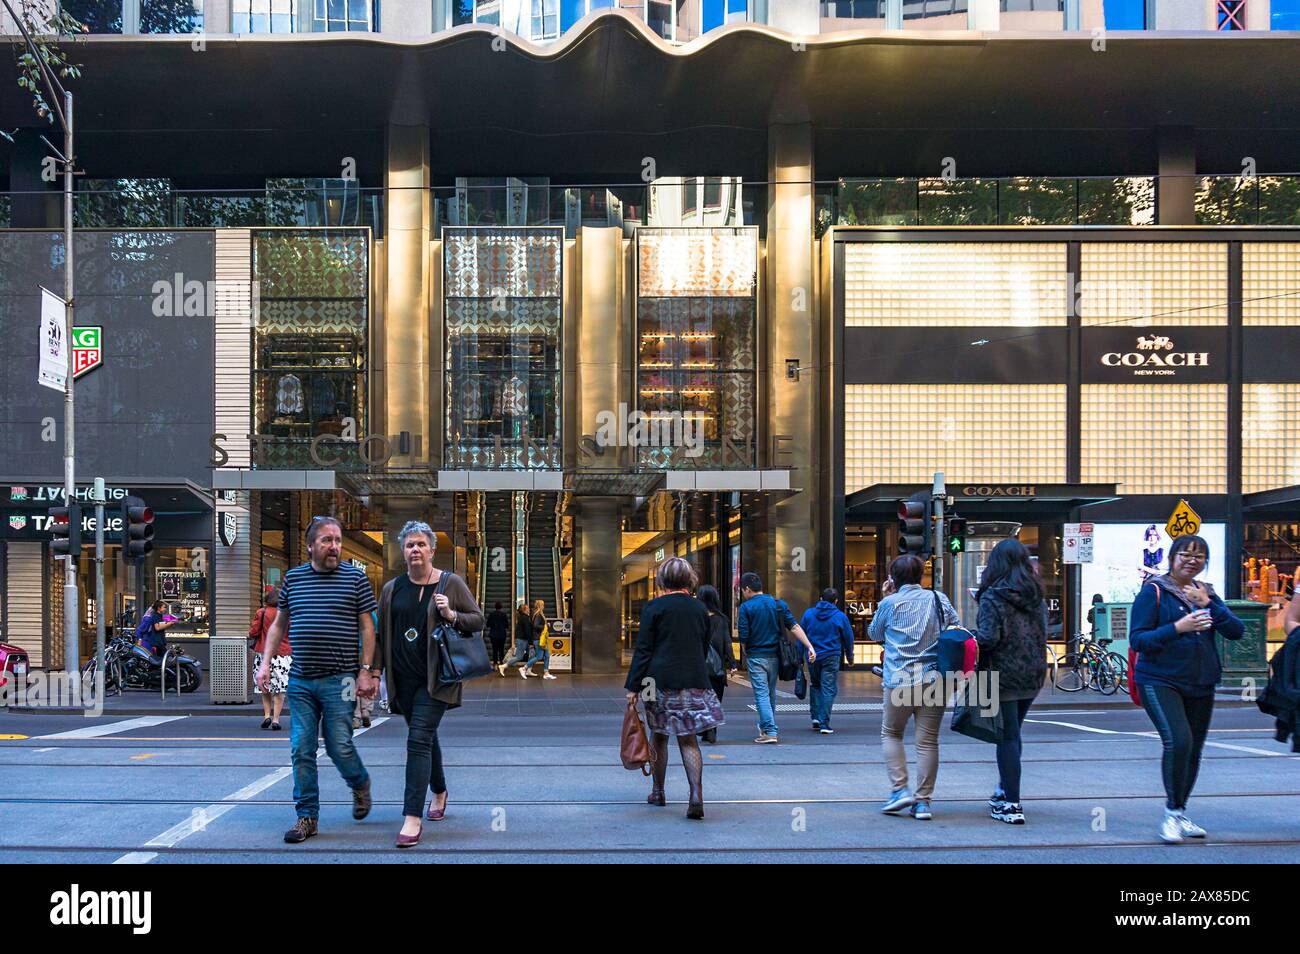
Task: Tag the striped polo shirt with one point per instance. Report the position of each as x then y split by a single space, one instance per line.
323 613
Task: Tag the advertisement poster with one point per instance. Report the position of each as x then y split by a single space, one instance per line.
1126 554
53 369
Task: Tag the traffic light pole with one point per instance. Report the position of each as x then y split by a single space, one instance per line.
99 575
938 494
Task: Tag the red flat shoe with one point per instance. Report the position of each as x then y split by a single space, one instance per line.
408 841
436 814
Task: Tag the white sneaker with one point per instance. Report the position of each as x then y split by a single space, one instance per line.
547 675
1171 829
1189 828
502 670
523 672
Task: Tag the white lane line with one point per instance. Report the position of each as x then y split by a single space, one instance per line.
112 728
750 685
50 749
201 818
1155 735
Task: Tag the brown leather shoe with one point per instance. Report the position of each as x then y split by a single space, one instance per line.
361 801
302 829
408 841
435 813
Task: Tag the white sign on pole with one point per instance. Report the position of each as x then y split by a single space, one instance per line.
53 370
1077 541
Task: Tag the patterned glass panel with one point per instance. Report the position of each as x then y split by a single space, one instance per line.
1270 436
984 432
697 262
1270 283
1172 283
954 284
507 262
323 264
1156 439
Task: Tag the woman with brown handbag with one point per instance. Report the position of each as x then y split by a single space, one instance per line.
669 672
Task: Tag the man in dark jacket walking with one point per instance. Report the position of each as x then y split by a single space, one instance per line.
831 635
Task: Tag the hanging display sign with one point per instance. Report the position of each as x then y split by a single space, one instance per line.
229 528
87 349
53 369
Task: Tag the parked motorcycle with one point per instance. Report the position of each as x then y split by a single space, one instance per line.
128 666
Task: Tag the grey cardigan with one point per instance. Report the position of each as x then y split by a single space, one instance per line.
469 619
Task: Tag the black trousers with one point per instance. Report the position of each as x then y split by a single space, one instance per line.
1183 723
423 713
498 650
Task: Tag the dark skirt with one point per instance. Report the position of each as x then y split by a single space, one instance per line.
684 712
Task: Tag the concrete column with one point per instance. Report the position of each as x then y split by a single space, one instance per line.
790 302
1176 190
597 584
406 332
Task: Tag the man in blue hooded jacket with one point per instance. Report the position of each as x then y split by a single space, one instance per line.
831 635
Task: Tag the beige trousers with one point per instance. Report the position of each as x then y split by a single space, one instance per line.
893 723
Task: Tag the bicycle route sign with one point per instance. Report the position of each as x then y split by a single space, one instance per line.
1182 521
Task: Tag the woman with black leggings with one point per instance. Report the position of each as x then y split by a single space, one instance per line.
1012 635
1172 627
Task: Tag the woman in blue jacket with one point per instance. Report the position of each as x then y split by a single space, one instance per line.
1172 627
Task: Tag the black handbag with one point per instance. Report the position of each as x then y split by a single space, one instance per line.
461 656
714 662
789 654
971 719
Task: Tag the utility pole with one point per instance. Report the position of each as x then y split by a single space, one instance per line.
60 101
99 575
938 494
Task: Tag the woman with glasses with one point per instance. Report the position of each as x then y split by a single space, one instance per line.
1172 626
411 609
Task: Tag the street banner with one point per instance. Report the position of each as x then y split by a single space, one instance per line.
53 369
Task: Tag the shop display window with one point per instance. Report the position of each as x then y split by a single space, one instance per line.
503 316
988 432
1271 563
311 329
179 577
696 345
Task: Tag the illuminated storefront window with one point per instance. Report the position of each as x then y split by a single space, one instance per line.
503 319
696 331
996 433
1155 439
1270 276
312 321
954 284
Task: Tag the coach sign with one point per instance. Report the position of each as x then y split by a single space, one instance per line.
1128 355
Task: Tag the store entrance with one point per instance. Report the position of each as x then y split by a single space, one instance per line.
704 528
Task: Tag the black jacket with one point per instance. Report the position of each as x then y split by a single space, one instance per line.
672 644
1281 697
1012 637
469 619
720 639
1188 662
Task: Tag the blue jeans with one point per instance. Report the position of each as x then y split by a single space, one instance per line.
540 651
762 676
823 684
520 653
322 707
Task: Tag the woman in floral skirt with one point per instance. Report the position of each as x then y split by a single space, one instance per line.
669 673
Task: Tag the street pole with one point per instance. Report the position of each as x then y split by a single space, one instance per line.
99 575
938 493
72 632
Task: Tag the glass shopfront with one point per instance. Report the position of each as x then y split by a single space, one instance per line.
310 339
1271 561
503 319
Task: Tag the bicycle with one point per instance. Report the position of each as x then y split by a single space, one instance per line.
1089 666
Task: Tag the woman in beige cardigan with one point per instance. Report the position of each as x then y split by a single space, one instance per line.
411 608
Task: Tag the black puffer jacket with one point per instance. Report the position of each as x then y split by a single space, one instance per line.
1012 636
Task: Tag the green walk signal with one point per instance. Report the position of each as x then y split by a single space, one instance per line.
956 545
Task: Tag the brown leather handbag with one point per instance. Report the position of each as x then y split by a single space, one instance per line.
634 747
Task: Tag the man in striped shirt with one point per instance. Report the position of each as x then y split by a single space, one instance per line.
323 606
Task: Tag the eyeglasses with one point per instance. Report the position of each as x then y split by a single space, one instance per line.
1191 557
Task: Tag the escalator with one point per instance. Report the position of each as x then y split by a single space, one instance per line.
498 551
543 552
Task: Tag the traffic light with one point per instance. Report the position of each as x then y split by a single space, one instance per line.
65 531
137 529
956 534
914 527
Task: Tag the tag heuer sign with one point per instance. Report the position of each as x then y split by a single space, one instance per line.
87 349
17 522
229 528
17 493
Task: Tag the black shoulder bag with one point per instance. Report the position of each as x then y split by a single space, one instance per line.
461 656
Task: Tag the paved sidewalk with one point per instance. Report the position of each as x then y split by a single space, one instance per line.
570 694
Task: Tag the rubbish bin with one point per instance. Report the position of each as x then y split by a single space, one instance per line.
1246 658
230 676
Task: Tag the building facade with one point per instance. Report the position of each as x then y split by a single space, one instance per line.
627 298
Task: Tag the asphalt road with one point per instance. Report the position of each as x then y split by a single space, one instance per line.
549 787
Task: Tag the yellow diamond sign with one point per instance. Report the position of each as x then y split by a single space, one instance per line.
1182 521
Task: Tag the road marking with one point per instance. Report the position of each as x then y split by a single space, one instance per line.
143 755
112 728
12 738
50 749
201 818
1155 735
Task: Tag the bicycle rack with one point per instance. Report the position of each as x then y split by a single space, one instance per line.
168 655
